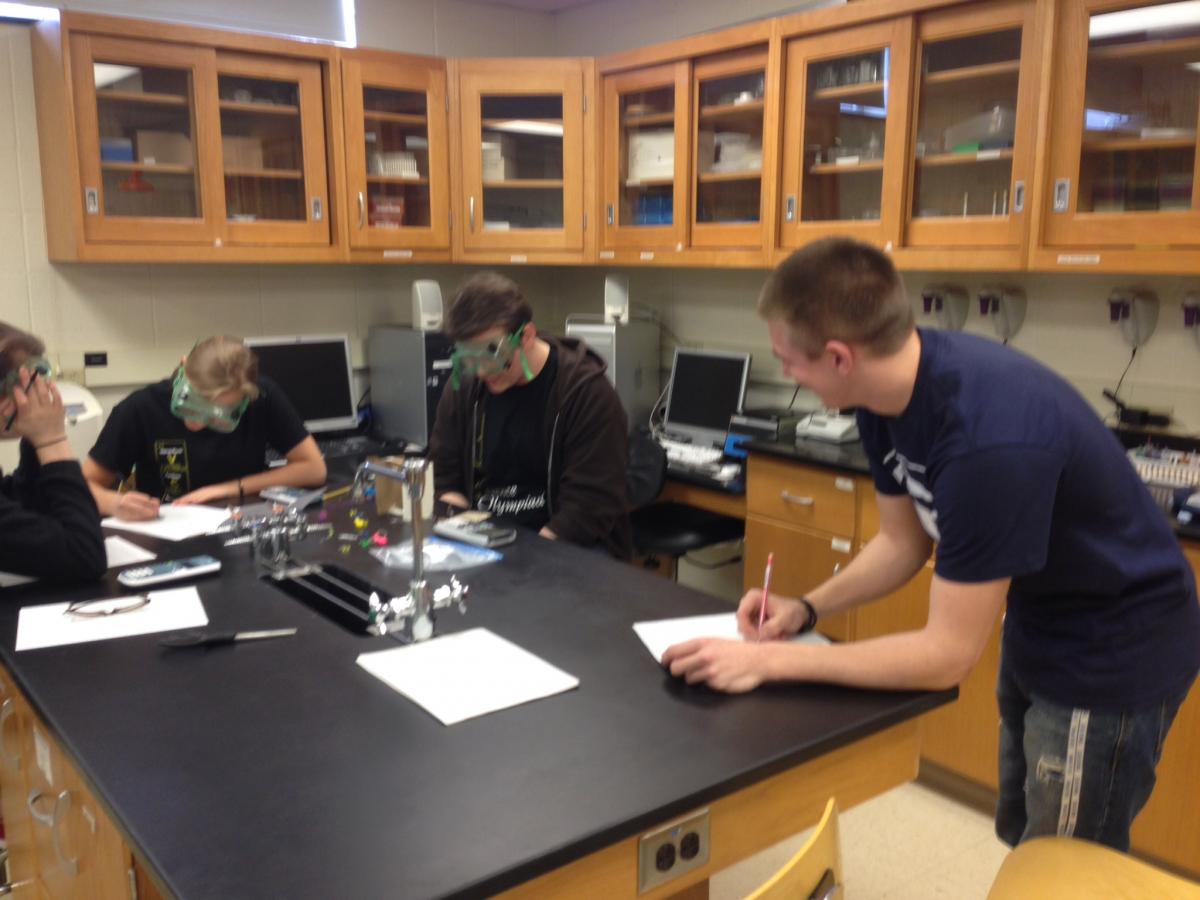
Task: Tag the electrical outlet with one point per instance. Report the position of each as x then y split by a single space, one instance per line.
673 850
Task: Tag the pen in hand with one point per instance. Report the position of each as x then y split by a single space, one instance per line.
762 610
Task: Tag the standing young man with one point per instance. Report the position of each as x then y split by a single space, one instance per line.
530 428
1029 499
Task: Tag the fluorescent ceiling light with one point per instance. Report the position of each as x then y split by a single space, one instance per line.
1145 18
349 25
525 126
26 13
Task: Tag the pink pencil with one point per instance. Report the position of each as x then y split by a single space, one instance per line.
762 610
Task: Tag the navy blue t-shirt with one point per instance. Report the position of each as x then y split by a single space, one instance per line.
1014 475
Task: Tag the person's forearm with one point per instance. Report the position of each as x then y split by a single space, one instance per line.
106 499
881 567
303 473
906 661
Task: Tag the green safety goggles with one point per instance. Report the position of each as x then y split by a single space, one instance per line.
189 404
487 359
38 366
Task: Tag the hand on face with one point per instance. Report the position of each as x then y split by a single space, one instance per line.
38 409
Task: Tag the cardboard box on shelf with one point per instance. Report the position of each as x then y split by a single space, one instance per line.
651 154
164 148
242 153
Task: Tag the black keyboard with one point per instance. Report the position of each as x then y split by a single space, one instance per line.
351 445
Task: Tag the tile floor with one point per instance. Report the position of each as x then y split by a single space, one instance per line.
911 843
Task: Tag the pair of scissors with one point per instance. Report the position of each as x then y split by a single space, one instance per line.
216 638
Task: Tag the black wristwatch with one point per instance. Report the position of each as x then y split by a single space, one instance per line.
811 622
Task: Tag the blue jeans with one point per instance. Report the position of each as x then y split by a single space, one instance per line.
1075 772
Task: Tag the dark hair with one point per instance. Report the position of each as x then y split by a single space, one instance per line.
485 301
17 346
839 289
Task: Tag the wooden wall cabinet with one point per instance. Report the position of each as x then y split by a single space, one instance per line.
845 126
1120 192
972 136
397 156
162 143
523 159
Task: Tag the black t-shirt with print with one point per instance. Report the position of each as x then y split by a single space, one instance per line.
142 434
510 477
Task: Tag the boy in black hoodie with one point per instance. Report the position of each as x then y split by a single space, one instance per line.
48 519
531 429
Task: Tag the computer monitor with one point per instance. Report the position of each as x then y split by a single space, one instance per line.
707 387
314 371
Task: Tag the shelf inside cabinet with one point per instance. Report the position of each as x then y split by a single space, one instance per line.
964 159
138 97
534 183
269 109
663 118
716 177
394 179
1183 49
648 182
1114 145
986 72
852 92
395 118
149 168
869 165
281 174
751 109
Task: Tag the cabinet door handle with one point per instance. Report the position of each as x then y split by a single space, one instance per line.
6 713
795 499
362 211
789 210
471 212
611 218
62 803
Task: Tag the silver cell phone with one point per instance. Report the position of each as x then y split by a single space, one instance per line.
470 528
169 570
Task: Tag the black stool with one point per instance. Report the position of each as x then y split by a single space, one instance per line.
673 529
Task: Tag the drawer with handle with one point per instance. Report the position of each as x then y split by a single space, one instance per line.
801 495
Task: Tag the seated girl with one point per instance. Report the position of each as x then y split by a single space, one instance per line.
201 437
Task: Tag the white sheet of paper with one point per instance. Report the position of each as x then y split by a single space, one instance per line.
663 633
8 579
46 626
121 552
174 523
460 676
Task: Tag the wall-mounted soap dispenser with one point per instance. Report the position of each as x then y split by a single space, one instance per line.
947 303
1135 311
1005 306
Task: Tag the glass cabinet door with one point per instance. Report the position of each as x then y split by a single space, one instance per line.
272 150
523 157
142 115
645 157
1124 150
396 153
969 157
727 153
843 139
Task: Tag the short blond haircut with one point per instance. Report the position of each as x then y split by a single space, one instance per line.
221 364
838 289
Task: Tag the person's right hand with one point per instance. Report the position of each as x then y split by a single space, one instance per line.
134 506
784 616
40 414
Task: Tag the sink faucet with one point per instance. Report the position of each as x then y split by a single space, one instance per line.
419 605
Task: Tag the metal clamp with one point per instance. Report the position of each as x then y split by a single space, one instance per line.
795 499
62 803
6 712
